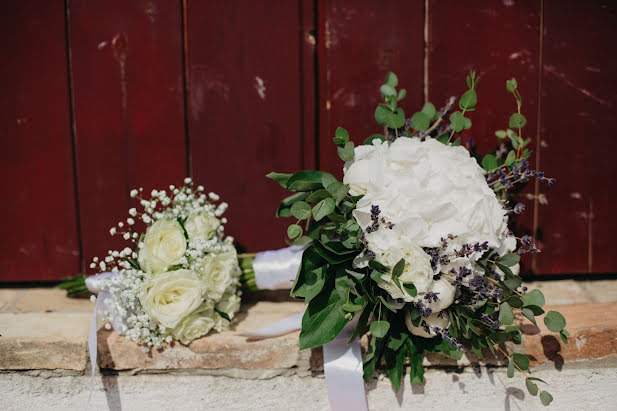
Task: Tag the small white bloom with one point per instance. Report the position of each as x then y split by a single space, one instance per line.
188 180
130 221
112 231
132 212
126 236
134 193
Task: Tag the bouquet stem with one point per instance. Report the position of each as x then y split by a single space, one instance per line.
76 286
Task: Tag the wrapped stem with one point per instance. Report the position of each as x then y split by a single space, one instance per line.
76 286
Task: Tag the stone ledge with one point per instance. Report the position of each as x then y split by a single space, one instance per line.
42 330
44 341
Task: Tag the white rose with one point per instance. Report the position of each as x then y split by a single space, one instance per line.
440 320
163 246
202 225
444 293
196 324
508 245
218 273
417 268
427 190
169 297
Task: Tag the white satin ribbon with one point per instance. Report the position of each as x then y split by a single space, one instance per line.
277 269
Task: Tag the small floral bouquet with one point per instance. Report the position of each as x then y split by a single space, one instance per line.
414 244
180 280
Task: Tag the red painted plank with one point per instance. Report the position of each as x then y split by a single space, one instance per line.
499 40
129 110
359 42
39 228
245 108
579 99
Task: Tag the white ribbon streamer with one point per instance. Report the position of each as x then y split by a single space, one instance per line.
277 269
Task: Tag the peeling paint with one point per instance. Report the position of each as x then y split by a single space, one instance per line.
120 44
585 92
580 342
260 87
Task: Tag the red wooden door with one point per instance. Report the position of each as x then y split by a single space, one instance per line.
39 238
103 96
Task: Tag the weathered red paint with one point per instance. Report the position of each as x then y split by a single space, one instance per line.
39 226
245 109
579 99
499 40
359 43
129 110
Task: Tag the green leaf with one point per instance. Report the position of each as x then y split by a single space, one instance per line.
416 370
376 276
307 180
521 361
529 315
294 231
411 289
346 153
352 308
517 121
467 123
468 100
429 110
564 334
554 321
420 121
301 210
391 79
510 372
457 121
510 158
284 209
280 178
531 387
369 140
533 297
398 269
341 136
380 328
311 275
396 118
535 310
401 94
509 259
489 162
222 314
506 316
546 398
511 85
328 179
338 190
382 114
501 134
323 208
376 265
387 90
394 363
322 320
318 195
386 304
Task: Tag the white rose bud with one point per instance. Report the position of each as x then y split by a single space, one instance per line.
196 324
202 225
218 273
417 269
164 245
434 320
169 297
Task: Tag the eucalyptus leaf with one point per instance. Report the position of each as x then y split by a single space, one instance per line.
531 387
429 110
506 316
420 121
521 360
346 153
323 208
517 121
509 259
398 269
457 121
554 321
489 162
529 315
322 320
301 210
533 297
510 372
379 328
294 231
280 178
369 140
382 114
468 100
546 398
307 180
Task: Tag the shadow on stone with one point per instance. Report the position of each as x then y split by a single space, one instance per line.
552 347
529 329
514 393
112 394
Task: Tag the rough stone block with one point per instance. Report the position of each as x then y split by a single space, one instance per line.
43 341
51 299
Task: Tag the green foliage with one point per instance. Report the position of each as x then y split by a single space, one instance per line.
546 398
554 321
380 328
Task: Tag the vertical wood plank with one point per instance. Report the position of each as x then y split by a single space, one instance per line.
245 109
129 112
579 95
499 40
359 42
39 227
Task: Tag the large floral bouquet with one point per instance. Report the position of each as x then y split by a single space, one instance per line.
180 279
414 243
